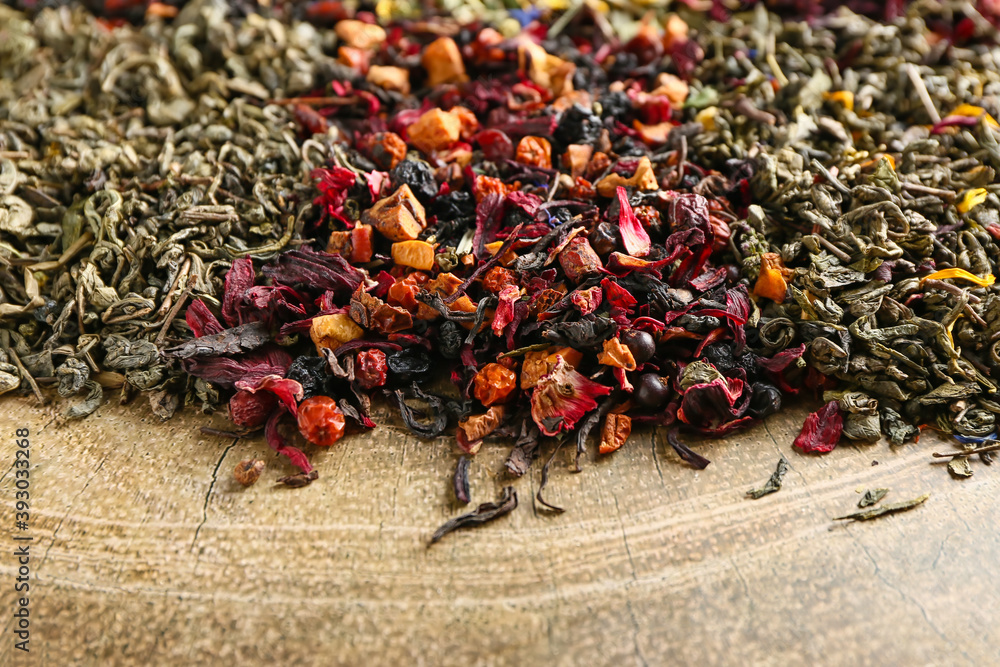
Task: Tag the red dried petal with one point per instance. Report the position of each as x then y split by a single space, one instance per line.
587 301
505 309
201 320
277 442
239 280
562 398
289 392
821 430
634 236
712 404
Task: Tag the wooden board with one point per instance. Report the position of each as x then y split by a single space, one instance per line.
146 551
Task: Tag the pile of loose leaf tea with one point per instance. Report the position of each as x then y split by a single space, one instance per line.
549 227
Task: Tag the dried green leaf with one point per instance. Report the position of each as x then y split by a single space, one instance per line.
891 508
872 496
773 483
960 467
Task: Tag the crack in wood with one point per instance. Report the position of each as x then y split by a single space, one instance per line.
204 507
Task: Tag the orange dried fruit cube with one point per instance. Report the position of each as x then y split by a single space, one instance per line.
443 62
494 384
435 130
361 244
359 34
415 254
398 217
339 244
333 330
390 78
508 257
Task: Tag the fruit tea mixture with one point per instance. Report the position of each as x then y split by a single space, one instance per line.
548 226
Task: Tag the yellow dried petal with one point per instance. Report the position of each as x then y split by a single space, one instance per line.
707 118
971 199
972 111
845 97
945 274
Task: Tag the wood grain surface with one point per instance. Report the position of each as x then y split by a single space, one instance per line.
147 552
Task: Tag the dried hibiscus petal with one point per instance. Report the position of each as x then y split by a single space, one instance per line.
634 236
289 392
562 398
821 430
201 320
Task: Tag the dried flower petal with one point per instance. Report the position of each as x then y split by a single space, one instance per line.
634 236
562 398
821 430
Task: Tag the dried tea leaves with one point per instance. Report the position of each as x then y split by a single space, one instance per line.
882 510
773 483
871 497
483 514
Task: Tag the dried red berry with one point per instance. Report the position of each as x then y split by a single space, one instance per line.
370 369
251 410
494 384
320 421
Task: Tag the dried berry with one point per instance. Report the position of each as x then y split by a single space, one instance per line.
408 365
251 410
494 384
371 368
535 152
248 472
417 175
320 421
651 391
640 343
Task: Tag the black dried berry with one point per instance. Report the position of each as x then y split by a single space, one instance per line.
418 176
578 126
765 400
310 372
615 105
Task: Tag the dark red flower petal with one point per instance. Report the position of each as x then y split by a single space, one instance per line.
821 430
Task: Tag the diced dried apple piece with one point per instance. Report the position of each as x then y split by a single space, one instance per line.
390 78
443 62
398 217
415 254
332 331
359 34
435 130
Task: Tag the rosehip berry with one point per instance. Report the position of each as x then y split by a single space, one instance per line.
370 369
320 421
251 410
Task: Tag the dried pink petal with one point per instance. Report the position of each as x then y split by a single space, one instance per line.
562 398
634 236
